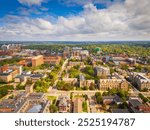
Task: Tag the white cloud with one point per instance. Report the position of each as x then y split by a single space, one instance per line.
31 2
128 21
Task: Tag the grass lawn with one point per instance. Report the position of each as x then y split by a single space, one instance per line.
78 96
51 98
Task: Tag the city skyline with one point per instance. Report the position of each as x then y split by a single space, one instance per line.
74 20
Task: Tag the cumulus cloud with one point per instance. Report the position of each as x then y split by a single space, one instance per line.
128 21
31 2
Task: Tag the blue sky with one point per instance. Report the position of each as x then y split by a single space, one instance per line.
53 7
74 20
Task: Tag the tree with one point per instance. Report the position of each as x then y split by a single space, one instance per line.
143 98
20 87
85 88
84 106
53 108
145 90
112 70
41 85
123 94
105 94
99 98
4 90
71 96
61 85
124 105
86 97
92 87
97 94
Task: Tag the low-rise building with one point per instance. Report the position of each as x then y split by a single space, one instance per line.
72 64
114 82
102 71
64 104
36 77
26 103
72 81
107 100
10 73
85 83
52 60
140 80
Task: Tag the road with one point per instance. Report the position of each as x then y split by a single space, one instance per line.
59 74
59 92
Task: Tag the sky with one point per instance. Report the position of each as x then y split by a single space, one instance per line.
74 20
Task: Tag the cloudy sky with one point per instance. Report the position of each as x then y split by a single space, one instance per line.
75 20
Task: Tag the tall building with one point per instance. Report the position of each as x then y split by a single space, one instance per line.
37 60
66 52
78 105
29 88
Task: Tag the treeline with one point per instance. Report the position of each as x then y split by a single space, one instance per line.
130 49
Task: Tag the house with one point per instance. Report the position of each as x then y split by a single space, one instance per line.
64 104
144 108
117 100
107 100
134 105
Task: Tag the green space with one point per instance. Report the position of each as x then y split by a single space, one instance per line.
10 61
78 96
20 86
52 99
41 85
84 107
74 72
98 97
53 108
121 93
5 89
61 85
144 99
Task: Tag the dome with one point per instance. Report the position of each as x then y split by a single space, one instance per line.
97 49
